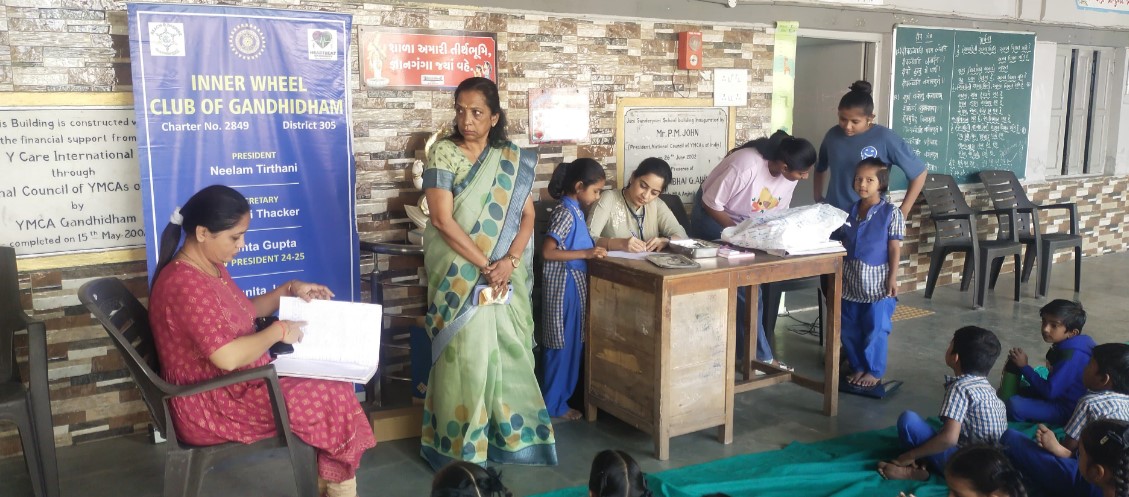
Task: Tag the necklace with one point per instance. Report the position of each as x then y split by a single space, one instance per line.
206 269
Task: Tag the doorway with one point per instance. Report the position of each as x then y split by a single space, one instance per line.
825 68
826 65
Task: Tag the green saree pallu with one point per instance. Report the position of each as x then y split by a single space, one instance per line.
483 401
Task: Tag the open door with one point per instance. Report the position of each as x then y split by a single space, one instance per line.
825 69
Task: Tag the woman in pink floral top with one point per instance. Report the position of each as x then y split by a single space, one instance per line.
203 325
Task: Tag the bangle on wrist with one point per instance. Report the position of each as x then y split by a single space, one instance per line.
290 289
285 331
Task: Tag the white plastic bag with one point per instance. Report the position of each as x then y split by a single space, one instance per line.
787 229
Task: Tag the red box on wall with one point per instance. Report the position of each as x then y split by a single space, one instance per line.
690 50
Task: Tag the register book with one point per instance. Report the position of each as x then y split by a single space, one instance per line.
341 340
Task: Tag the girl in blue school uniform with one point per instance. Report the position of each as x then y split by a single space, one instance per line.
872 236
567 246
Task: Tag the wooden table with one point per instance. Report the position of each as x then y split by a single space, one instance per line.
661 343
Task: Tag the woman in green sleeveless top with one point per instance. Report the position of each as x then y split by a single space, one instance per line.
483 402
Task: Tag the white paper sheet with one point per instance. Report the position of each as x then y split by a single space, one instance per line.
828 247
623 254
341 340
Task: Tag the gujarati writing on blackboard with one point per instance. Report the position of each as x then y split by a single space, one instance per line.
962 98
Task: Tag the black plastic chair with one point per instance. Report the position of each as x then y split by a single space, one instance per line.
29 407
955 222
675 203
1006 192
127 323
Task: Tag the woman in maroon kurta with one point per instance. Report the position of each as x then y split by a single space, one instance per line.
203 325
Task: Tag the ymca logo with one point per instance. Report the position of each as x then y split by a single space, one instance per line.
166 39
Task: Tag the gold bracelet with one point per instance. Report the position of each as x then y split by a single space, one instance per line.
285 331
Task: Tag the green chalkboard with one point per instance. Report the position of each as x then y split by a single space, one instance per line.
962 98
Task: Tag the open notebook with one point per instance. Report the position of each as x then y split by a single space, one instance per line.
341 340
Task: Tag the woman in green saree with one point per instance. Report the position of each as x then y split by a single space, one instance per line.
483 402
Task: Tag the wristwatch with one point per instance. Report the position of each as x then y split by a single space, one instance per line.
513 260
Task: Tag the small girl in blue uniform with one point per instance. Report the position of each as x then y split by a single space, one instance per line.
872 236
567 244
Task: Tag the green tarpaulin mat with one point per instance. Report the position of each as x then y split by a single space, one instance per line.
839 467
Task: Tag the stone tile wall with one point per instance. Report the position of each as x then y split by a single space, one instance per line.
82 45
73 45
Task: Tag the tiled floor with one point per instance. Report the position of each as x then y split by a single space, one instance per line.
765 419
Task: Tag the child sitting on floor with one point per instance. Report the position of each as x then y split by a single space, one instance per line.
970 411
1052 400
616 474
982 471
1103 458
1049 463
465 479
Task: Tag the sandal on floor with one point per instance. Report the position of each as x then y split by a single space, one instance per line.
879 391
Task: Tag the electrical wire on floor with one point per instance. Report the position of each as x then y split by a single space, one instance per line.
803 328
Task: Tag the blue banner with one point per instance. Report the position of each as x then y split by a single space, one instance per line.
256 99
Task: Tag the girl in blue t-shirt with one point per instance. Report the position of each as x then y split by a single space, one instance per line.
873 237
567 244
857 138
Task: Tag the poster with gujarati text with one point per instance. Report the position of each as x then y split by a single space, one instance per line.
422 59
255 99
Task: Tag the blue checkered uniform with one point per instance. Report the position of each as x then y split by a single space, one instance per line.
969 400
1060 475
564 296
1094 406
866 314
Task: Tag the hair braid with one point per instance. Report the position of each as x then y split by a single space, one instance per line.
1121 475
626 475
1011 480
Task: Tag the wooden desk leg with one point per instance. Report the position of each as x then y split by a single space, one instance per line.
725 431
833 290
662 446
752 298
750 331
589 409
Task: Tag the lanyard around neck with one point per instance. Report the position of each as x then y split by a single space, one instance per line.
639 219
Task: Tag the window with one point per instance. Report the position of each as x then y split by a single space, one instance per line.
1080 111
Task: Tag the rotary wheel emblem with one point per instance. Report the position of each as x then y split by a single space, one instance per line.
247 41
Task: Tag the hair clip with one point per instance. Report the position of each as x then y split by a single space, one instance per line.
1120 438
494 482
